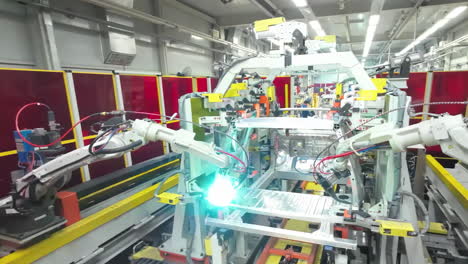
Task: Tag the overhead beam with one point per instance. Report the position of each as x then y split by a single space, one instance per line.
47 38
277 10
348 29
131 12
190 10
401 24
268 8
263 8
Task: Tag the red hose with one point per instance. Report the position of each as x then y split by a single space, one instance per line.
18 130
234 157
317 167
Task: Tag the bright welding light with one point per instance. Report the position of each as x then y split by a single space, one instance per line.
221 192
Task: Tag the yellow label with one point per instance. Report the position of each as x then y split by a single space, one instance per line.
169 198
214 97
264 25
395 228
327 38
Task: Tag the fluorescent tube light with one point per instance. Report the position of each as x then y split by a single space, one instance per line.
300 3
371 28
197 37
317 28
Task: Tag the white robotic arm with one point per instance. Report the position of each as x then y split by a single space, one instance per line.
450 132
142 132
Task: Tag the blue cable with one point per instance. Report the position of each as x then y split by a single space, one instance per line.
368 149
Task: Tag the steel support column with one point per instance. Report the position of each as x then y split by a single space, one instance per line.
414 246
421 161
47 40
76 116
120 106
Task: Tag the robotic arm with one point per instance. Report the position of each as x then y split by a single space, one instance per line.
142 132
450 132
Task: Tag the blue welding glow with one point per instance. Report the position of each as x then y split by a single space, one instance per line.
221 192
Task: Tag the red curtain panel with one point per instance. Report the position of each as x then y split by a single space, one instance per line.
140 93
214 82
95 93
173 88
280 85
202 84
20 87
416 86
451 87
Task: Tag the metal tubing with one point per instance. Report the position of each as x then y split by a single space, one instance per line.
283 233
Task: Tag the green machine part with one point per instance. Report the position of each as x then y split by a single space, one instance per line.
198 110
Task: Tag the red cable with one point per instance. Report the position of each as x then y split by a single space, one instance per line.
317 168
234 157
18 130
143 113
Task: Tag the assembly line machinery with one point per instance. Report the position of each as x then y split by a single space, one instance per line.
328 178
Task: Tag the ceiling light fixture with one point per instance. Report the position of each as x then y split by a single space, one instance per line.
315 24
438 25
371 28
197 37
300 3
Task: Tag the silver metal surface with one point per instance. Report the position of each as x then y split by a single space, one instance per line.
262 182
451 207
293 176
119 47
286 122
413 245
306 207
125 194
131 236
419 173
317 237
91 242
188 230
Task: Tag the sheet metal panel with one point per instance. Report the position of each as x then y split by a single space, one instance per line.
306 207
